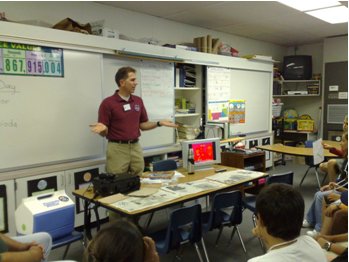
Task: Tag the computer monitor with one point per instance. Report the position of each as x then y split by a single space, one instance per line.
206 152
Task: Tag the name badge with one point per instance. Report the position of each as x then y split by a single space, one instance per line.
127 107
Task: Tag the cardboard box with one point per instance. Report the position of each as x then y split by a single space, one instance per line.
106 32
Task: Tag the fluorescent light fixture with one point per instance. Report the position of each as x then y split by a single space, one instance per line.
333 15
306 5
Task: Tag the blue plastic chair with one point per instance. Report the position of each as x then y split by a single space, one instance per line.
309 161
67 240
249 202
184 227
165 165
226 211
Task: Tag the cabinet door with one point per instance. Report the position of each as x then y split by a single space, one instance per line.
35 185
268 155
7 207
82 179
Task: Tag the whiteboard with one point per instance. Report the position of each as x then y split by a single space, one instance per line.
155 86
254 87
46 119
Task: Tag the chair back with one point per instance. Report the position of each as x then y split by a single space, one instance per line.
184 227
165 165
226 208
309 160
285 178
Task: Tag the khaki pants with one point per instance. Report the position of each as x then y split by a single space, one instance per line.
122 158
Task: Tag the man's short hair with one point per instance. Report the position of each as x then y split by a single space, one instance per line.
281 209
122 74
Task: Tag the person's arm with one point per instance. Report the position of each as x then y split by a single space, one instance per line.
34 254
151 125
335 238
150 254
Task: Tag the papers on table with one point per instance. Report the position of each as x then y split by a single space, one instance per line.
235 176
194 187
137 203
171 192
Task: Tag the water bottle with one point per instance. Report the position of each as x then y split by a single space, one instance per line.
190 168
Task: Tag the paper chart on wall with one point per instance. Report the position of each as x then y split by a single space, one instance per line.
157 82
218 111
219 82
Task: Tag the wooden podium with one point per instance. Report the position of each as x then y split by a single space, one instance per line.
254 161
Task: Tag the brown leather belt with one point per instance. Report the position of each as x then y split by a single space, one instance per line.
124 141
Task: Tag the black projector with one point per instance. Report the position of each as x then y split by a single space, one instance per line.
109 184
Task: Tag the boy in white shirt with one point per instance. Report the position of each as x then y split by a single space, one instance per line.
279 212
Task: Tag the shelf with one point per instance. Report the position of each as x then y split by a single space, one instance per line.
187 88
296 81
295 95
187 115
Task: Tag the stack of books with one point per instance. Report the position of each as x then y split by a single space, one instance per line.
187 132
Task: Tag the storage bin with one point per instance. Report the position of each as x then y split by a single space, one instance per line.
305 125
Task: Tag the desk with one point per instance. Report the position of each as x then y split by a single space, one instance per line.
87 196
295 151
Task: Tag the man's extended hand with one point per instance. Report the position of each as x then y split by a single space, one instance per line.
168 123
99 128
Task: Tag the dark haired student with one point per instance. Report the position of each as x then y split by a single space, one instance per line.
280 211
120 119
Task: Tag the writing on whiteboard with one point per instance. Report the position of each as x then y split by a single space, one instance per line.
7 88
8 124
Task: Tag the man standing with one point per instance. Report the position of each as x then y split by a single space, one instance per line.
120 119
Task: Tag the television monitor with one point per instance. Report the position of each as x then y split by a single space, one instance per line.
297 67
206 152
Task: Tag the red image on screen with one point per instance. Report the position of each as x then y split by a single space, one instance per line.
203 152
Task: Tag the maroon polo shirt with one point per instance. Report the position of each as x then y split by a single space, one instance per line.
122 120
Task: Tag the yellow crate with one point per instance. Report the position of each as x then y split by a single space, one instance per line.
305 125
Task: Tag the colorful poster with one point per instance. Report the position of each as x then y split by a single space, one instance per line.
237 111
29 60
218 111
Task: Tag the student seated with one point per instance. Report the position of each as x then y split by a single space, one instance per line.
121 241
332 166
331 191
29 248
279 212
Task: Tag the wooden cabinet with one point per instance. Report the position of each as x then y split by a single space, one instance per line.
252 161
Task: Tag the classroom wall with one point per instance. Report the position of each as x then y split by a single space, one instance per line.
134 25
335 49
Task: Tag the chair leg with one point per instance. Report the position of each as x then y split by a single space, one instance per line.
219 235
198 252
300 184
66 251
149 220
317 177
242 242
232 234
205 251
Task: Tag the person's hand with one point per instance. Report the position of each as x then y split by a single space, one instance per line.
168 123
150 254
325 188
326 146
330 210
26 246
36 252
98 128
332 185
322 241
333 197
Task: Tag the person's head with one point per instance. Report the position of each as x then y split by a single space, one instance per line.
345 124
280 211
119 241
126 80
344 144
